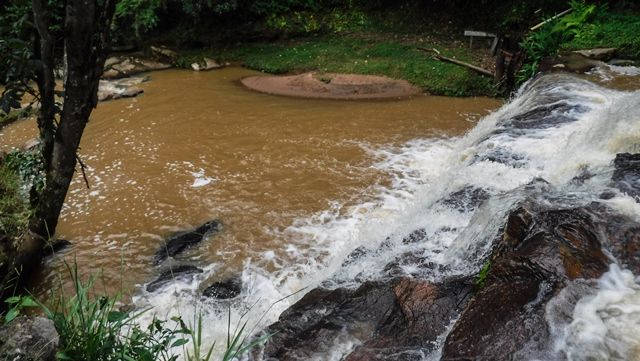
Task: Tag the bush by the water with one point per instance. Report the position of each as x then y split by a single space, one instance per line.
586 26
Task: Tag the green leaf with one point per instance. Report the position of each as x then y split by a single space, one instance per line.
12 300
13 313
116 316
180 342
28 302
62 356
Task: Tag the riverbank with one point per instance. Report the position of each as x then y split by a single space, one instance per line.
386 54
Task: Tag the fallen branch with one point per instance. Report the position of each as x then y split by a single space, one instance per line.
538 26
458 62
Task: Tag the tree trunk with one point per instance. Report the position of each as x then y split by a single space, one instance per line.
87 26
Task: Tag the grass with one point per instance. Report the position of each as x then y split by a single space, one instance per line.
361 54
608 29
481 277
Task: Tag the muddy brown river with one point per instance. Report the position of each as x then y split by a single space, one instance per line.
198 146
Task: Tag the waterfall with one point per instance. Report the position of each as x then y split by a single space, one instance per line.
555 141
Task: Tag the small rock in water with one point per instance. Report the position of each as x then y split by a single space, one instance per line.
181 241
466 199
224 290
181 272
416 236
355 255
206 64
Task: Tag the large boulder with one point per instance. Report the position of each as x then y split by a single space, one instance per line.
164 54
603 54
28 339
119 88
391 320
540 252
183 240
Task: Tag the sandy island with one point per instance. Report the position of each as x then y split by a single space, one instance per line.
332 86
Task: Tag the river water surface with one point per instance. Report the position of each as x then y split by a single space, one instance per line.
198 146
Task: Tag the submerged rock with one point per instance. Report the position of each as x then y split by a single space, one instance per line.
29 339
224 289
181 272
181 241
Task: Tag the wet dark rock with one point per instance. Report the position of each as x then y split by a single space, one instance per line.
502 156
355 255
224 290
422 312
54 247
415 261
466 199
387 317
419 235
29 339
123 66
622 236
181 272
582 177
626 176
541 250
570 62
603 54
547 115
181 241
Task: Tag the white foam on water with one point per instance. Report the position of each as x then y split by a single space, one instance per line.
434 183
605 323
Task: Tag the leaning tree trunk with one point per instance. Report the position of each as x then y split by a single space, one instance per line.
86 31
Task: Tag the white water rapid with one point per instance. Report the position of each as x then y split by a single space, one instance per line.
452 196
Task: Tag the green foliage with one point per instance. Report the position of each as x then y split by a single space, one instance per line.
350 54
547 40
609 29
92 327
14 210
141 15
29 166
16 305
16 66
481 278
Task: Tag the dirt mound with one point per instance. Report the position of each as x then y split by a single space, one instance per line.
332 86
